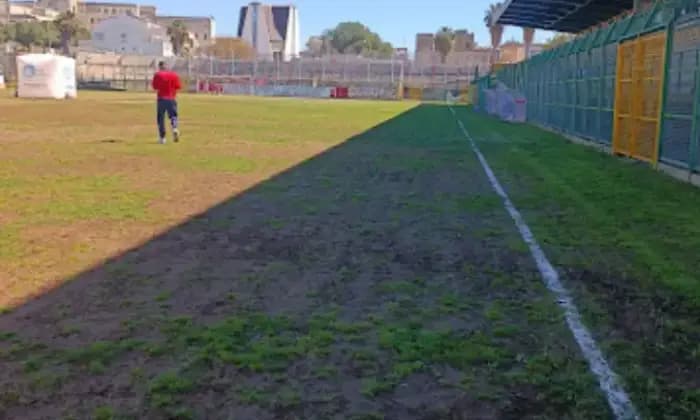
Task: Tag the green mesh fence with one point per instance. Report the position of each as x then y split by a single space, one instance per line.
679 136
572 88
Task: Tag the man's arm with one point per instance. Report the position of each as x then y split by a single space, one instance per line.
178 85
156 82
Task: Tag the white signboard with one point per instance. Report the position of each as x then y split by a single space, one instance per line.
46 76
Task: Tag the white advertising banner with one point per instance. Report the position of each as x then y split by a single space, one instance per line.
46 76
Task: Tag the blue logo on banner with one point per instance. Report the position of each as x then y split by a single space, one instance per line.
29 71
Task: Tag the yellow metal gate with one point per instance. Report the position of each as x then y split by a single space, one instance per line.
638 94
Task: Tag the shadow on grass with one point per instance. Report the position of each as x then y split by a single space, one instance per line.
312 295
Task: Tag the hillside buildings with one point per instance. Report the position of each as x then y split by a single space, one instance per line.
512 52
92 13
464 53
127 34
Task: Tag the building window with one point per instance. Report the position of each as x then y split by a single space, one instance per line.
206 36
114 11
196 36
92 20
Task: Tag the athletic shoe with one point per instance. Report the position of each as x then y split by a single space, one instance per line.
176 135
163 140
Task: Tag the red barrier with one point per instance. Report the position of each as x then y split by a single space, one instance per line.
340 92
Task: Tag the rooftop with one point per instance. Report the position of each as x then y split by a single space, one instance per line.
560 15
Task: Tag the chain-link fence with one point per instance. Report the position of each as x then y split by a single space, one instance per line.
679 137
134 73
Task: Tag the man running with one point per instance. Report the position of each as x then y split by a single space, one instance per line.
166 83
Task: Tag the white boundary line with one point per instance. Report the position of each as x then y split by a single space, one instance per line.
619 401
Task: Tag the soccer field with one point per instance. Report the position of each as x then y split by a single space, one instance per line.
330 260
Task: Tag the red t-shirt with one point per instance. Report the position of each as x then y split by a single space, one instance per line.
166 83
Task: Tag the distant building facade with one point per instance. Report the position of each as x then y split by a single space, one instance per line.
464 53
514 52
273 31
92 13
202 29
23 11
131 35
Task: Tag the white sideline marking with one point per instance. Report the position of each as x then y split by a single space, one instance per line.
619 401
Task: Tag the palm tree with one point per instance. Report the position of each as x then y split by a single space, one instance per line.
495 29
69 28
444 41
528 37
179 37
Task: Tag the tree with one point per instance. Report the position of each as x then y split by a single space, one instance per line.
557 40
355 38
528 37
230 48
70 30
317 46
28 34
179 37
495 29
444 40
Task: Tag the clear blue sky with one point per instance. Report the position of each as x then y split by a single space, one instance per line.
397 21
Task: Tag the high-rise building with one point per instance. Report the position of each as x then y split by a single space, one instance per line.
273 31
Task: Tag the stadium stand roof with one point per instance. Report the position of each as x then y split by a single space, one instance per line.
560 15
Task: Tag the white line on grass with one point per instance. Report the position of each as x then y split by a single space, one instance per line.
619 401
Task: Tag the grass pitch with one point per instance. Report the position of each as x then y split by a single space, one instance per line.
316 259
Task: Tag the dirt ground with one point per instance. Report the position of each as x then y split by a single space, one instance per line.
381 279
